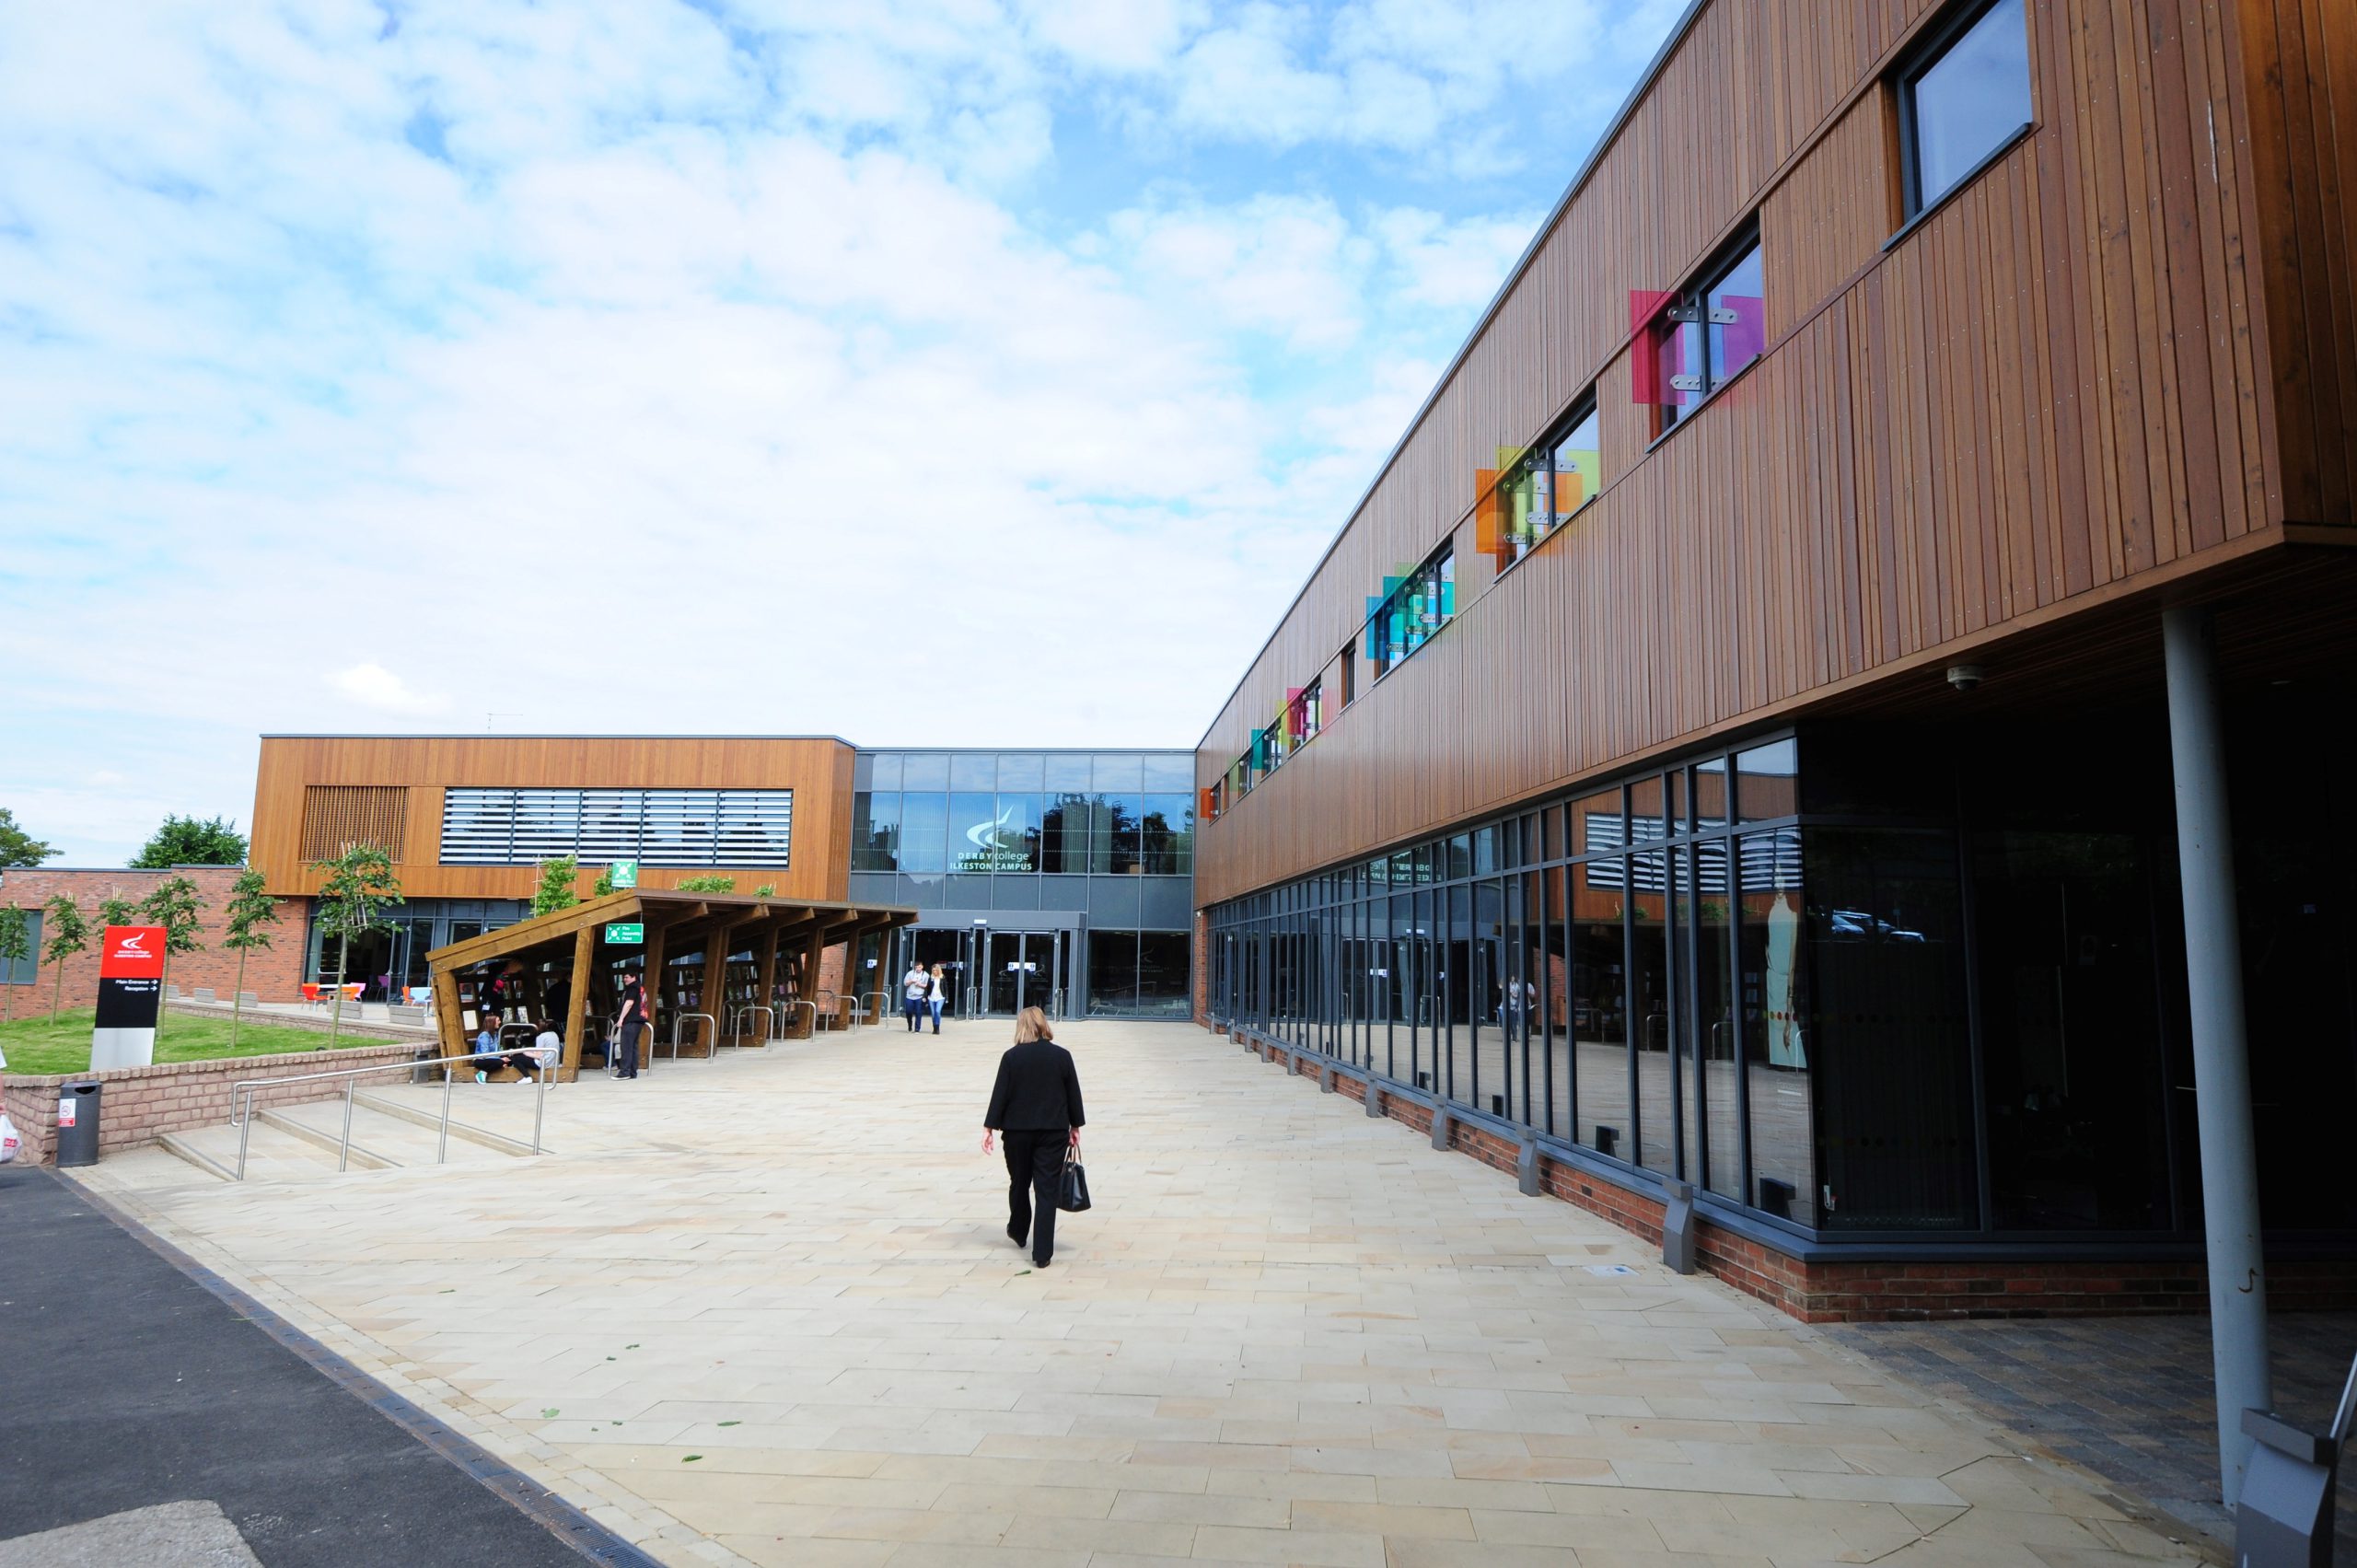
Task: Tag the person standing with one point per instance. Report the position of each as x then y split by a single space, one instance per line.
1035 1106
914 986
635 1015
937 996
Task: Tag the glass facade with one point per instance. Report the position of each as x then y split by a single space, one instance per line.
388 962
1868 981
1097 846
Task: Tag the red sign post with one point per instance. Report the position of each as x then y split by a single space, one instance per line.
131 992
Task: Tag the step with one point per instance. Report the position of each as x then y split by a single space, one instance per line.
272 1153
329 1139
396 1140
419 1115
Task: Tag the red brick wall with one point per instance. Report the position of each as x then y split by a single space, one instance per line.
1881 1290
139 1104
273 973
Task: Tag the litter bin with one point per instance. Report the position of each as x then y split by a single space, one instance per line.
77 1124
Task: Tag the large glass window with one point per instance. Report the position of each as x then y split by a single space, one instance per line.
1113 971
1962 99
1775 979
1539 494
876 830
1167 836
1163 978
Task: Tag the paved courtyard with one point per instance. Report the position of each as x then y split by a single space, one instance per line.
763 1310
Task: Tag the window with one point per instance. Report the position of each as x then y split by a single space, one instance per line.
1539 494
1964 97
1350 674
1413 607
26 969
1703 335
747 828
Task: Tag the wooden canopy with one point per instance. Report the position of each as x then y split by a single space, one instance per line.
796 930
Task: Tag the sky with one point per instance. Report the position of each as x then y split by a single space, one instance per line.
955 371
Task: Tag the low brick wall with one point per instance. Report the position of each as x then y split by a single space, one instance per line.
1874 1291
140 1104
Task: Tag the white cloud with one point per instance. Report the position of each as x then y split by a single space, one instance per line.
374 687
623 367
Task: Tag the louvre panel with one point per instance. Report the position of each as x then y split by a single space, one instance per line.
338 816
747 828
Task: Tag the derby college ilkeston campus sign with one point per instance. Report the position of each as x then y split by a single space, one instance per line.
131 990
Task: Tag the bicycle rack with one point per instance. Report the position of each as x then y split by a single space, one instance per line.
831 1016
737 1025
680 1022
884 1000
798 1001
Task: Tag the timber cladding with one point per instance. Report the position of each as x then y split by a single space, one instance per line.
2122 355
315 793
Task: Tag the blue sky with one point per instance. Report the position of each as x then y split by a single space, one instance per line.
968 372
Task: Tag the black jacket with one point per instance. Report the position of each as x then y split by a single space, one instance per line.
1038 1091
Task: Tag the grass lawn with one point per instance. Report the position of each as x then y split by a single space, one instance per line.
35 1045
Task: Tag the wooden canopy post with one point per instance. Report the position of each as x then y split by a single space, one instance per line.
767 995
656 996
713 1000
448 1026
576 1010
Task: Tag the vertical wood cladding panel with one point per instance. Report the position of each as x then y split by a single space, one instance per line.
2063 379
2300 67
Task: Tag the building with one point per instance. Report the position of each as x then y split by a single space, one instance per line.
1767 724
1064 876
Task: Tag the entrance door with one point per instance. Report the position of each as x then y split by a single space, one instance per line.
1025 970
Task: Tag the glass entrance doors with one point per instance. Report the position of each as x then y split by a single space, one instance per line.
1025 969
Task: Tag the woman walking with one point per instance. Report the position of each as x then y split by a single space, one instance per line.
939 995
1035 1105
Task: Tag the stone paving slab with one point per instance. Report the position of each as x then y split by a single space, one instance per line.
763 1310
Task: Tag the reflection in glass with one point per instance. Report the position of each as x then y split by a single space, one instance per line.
2070 1033
1113 971
1968 101
1714 1023
1650 1001
1163 976
1888 1030
924 832
1738 316
1167 836
875 831
973 830
921 769
1775 1003
1766 783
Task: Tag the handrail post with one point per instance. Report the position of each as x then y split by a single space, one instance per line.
245 1127
344 1155
442 1153
539 1103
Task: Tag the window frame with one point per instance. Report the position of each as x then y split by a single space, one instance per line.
1443 554
1937 42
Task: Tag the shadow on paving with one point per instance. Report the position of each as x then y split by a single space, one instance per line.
131 1384
2128 1398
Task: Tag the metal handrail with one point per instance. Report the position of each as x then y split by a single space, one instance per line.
736 1018
241 1105
680 1020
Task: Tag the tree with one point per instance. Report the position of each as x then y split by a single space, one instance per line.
19 847
707 884
354 883
118 911
184 841
555 891
14 943
174 906
766 891
250 912
604 885
68 935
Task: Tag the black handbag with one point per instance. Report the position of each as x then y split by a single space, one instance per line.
1072 1192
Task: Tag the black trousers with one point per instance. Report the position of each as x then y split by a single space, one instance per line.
1035 1168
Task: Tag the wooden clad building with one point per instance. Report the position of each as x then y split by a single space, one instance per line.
315 793
1731 742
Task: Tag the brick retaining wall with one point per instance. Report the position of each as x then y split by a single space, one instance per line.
140 1104
1877 1290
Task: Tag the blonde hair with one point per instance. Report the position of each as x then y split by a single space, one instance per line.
1031 1025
